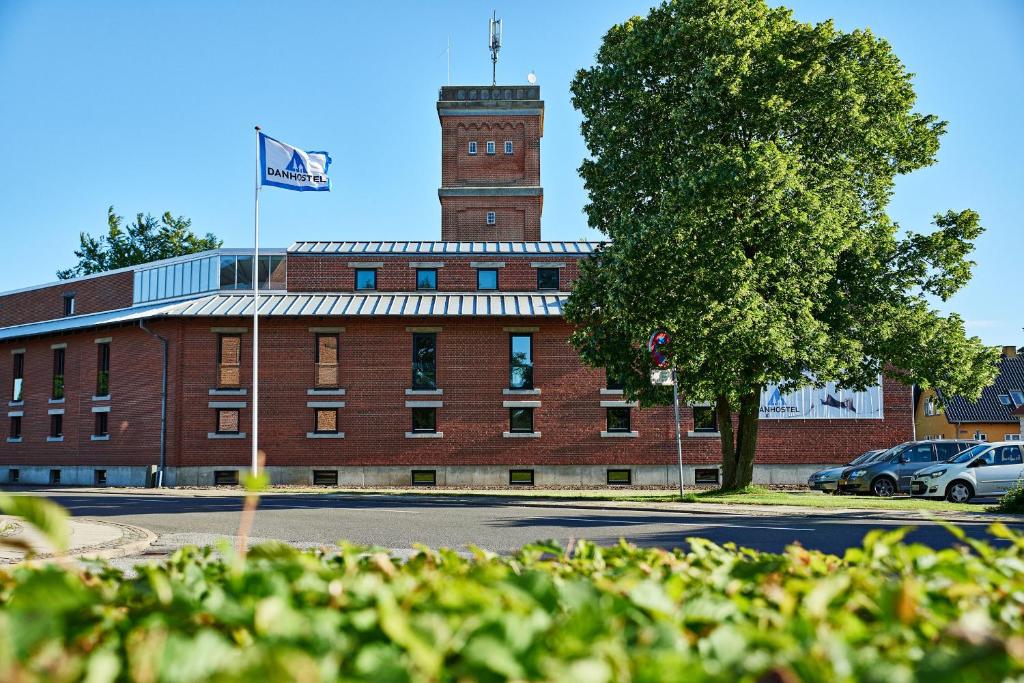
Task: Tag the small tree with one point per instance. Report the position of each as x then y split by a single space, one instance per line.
741 163
145 240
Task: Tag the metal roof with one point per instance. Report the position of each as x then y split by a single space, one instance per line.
378 304
988 408
282 304
77 322
352 248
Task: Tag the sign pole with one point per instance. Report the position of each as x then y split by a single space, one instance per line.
256 320
679 439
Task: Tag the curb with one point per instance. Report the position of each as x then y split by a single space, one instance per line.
135 547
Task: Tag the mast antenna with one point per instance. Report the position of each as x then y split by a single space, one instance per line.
495 44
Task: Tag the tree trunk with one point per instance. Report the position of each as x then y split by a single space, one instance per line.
723 415
747 442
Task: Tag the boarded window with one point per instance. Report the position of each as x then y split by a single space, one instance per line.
229 359
227 421
424 477
326 360
520 477
326 420
620 477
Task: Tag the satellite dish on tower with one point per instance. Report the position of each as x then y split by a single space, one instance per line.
532 78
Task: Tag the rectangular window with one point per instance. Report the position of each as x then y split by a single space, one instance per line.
225 477
272 272
618 419
103 369
69 305
520 361
101 424
508 146
56 426
227 421
1017 397
243 272
612 381
366 278
54 476
704 419
492 218
58 373
15 427
472 147
325 477
229 360
99 477
227 272
19 377
1004 399
620 477
326 421
547 279
424 419
490 146
487 279
13 475
520 420
708 475
1014 437
326 361
424 477
424 360
426 278
520 477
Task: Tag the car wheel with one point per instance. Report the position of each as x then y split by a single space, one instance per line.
959 492
883 487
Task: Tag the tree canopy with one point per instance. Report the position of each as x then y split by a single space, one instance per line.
741 163
144 240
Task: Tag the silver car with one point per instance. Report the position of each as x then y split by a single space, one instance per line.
827 480
988 469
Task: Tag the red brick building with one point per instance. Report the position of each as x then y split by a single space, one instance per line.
380 362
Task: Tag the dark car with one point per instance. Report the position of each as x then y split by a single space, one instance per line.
826 480
891 472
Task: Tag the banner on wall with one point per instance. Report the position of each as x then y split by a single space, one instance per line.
827 403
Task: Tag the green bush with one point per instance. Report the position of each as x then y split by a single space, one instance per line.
1012 500
888 611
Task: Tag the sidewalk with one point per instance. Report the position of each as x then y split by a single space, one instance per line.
583 502
90 539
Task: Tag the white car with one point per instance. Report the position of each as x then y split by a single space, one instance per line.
988 469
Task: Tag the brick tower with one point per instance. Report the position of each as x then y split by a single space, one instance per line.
490 162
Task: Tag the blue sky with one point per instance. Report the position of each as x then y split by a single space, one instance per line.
151 107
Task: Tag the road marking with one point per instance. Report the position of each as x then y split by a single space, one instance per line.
610 522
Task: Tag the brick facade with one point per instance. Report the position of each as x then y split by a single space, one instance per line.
92 295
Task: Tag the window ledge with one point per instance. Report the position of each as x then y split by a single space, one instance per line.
56 400
215 435
101 398
424 404
520 404
14 439
54 439
620 404
520 392
325 435
239 391
424 392
704 435
621 435
521 435
424 435
325 392
105 437
15 404
612 392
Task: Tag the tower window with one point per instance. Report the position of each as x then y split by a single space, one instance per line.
487 278
472 147
508 147
492 218
69 304
490 146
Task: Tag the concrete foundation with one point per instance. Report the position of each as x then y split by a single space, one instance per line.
78 475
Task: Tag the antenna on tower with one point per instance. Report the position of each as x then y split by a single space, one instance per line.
495 45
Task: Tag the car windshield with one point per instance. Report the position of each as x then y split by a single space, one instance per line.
887 454
863 458
969 454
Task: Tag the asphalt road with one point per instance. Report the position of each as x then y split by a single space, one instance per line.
500 525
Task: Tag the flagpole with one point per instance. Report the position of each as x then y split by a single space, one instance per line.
256 320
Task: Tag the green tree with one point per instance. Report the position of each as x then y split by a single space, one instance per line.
146 239
741 163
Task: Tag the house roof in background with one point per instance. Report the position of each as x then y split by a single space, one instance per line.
988 408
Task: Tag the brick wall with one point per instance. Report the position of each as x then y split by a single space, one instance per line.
459 168
332 273
103 293
465 218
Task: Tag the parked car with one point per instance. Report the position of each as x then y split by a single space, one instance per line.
988 469
827 480
890 473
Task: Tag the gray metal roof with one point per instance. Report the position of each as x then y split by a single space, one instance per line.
281 304
78 322
377 304
988 408
564 248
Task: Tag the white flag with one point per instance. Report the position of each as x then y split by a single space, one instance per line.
292 169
